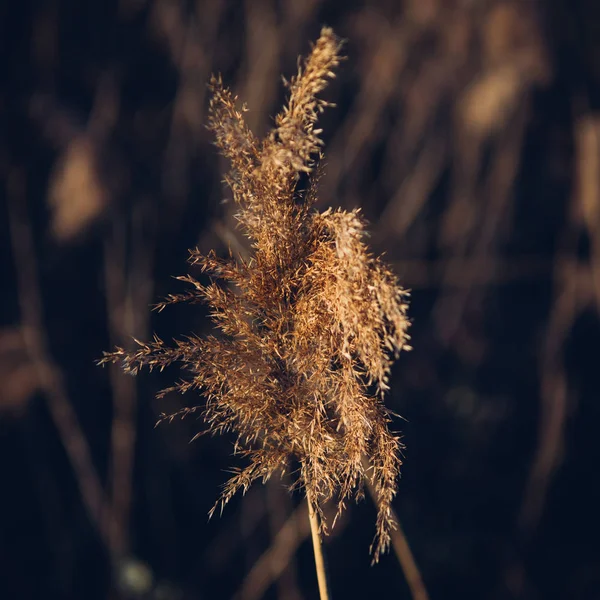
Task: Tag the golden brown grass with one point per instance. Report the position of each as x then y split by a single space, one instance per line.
309 323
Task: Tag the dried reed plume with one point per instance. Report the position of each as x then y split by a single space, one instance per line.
309 321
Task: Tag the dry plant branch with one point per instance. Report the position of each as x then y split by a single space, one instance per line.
227 541
310 323
498 187
576 287
279 554
279 507
48 372
191 44
402 550
128 294
408 564
554 393
122 390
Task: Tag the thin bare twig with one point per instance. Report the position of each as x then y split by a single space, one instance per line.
122 437
48 373
276 558
279 506
402 549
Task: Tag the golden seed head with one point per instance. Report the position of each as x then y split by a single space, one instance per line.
309 323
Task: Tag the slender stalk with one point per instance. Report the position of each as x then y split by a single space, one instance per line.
318 550
401 548
49 374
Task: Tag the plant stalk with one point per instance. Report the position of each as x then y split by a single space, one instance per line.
318 550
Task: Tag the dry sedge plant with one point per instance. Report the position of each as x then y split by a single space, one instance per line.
309 322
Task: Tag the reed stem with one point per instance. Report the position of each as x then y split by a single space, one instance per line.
318 550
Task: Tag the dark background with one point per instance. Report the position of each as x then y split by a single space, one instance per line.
468 131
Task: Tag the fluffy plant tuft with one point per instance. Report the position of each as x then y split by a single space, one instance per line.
309 322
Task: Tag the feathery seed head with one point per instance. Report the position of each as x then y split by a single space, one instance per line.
308 323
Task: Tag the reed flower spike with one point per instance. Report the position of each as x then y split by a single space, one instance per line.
309 322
